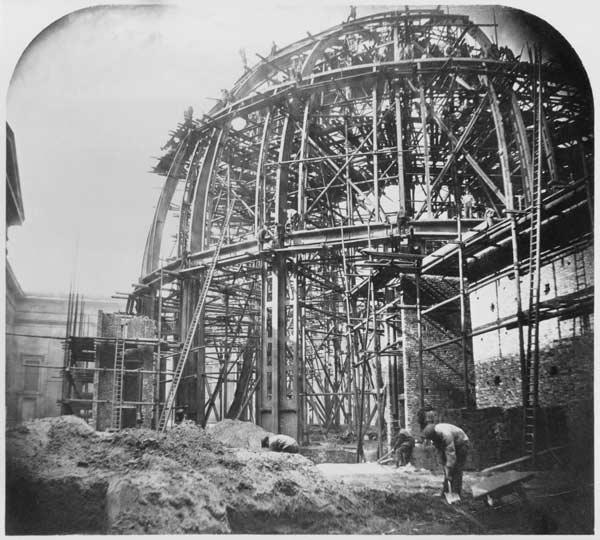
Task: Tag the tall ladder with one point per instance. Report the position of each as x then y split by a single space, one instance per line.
579 263
533 342
533 327
118 376
187 345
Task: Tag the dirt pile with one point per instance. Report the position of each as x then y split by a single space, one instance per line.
63 477
238 434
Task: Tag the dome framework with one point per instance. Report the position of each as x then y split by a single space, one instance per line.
352 159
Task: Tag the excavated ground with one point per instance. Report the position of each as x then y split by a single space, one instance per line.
64 477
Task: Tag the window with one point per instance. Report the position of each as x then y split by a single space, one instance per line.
31 373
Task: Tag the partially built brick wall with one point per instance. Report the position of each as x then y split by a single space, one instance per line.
443 377
496 434
116 325
136 387
566 346
105 358
566 353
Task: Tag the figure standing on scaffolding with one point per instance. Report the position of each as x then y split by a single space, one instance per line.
352 15
489 217
467 201
292 221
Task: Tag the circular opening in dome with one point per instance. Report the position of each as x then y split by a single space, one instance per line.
238 123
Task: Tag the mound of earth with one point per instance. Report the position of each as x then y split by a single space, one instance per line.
63 477
237 433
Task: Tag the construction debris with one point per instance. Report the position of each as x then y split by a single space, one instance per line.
238 434
63 477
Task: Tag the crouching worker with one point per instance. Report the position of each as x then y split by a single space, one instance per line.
452 445
403 447
280 443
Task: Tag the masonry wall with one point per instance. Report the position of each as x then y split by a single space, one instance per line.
136 387
566 347
34 351
444 385
14 295
496 433
105 354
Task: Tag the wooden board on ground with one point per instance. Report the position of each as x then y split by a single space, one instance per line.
500 483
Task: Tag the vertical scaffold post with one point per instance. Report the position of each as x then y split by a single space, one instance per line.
420 336
378 372
399 151
425 144
463 322
375 156
157 360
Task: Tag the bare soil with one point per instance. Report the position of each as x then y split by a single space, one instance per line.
63 477
237 434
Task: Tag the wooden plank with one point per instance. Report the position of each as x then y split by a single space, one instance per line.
520 460
500 482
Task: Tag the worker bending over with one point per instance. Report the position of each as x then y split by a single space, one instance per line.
403 447
280 443
452 445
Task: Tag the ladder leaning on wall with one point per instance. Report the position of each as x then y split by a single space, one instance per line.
118 379
533 343
187 344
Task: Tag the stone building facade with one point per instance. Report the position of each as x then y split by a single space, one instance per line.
35 332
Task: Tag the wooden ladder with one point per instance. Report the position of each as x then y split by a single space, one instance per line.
187 345
533 341
579 263
118 376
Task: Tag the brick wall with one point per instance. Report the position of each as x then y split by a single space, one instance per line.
144 383
496 434
566 346
566 359
580 431
105 355
443 381
111 324
137 387
141 327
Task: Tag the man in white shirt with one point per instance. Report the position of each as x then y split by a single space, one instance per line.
452 444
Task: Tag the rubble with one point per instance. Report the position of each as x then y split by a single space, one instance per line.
238 434
186 481
65 478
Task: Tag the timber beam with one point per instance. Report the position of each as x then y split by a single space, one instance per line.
316 239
